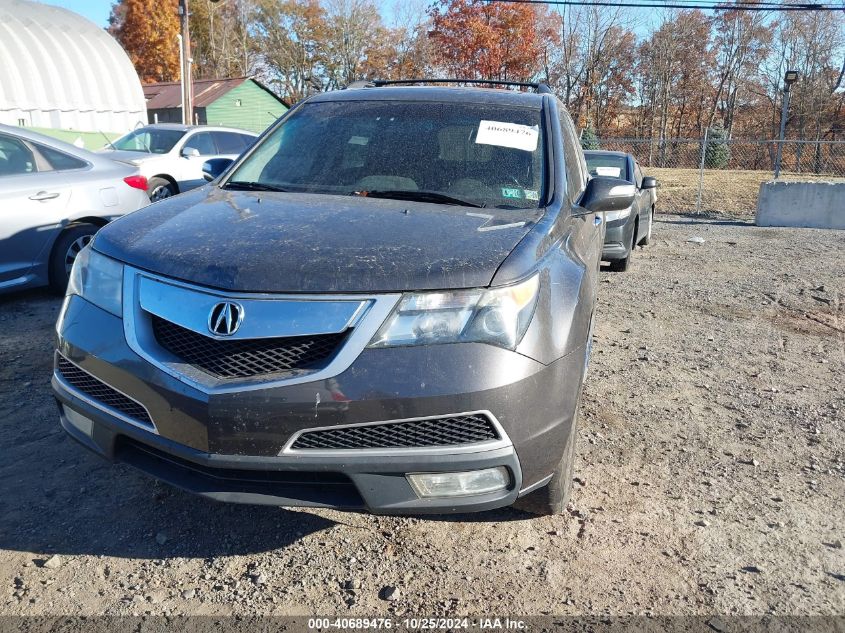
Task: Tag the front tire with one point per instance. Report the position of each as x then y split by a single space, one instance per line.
65 250
620 265
554 496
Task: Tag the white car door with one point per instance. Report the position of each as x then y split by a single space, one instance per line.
196 149
33 199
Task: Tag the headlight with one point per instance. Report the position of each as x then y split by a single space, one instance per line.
610 216
97 279
498 316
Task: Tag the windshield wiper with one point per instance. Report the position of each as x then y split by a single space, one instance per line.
420 196
245 185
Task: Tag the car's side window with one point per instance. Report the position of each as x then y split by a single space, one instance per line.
203 143
15 157
638 174
59 160
576 171
229 142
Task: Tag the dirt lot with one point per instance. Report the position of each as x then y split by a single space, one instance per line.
710 476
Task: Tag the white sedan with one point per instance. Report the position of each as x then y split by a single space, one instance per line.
53 198
171 155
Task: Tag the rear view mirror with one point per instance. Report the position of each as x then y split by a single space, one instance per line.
605 193
213 168
649 183
190 152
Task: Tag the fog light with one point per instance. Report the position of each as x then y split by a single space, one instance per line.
473 482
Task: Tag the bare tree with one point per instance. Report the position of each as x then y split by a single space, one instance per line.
741 42
290 36
591 70
222 45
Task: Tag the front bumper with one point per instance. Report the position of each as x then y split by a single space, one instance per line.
230 446
617 239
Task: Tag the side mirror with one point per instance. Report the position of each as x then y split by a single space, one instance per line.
605 193
649 183
213 168
190 152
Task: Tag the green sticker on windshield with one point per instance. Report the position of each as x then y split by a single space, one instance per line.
511 193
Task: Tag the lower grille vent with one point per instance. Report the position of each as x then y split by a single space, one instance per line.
447 431
100 392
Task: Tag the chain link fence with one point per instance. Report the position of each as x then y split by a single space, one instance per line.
724 176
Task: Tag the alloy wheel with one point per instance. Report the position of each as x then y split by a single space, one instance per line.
73 251
160 193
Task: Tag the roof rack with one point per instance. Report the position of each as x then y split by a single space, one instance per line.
541 88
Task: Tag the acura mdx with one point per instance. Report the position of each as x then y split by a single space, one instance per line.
385 304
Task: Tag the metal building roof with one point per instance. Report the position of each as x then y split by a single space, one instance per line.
57 63
168 94
206 91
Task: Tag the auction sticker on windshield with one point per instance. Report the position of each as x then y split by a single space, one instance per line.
513 135
614 172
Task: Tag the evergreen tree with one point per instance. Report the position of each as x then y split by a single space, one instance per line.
717 154
589 140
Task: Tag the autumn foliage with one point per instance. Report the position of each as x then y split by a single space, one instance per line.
147 30
488 40
691 71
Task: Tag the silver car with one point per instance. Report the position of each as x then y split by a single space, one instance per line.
171 156
53 199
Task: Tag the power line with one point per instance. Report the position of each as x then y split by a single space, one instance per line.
734 3
682 4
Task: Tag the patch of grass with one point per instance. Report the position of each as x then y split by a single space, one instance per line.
732 192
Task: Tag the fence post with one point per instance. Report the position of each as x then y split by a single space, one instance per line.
701 171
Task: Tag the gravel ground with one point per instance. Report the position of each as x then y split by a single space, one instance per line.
710 474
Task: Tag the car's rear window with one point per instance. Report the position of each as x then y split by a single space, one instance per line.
607 165
489 155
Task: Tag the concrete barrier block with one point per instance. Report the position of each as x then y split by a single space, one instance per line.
815 205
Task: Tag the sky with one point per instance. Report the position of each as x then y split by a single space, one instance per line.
95 10
98 12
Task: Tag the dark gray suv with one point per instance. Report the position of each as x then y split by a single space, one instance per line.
385 304
625 229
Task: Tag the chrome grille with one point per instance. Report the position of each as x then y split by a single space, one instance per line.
100 392
245 358
446 431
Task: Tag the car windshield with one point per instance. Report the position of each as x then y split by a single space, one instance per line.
607 165
447 153
150 140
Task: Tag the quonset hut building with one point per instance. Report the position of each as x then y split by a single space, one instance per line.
60 71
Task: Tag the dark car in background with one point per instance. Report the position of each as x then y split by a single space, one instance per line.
626 228
385 304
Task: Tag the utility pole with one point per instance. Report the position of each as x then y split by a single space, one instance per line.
789 78
187 83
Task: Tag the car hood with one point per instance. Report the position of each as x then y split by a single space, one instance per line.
286 242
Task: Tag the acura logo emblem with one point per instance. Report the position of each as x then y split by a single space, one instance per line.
225 318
